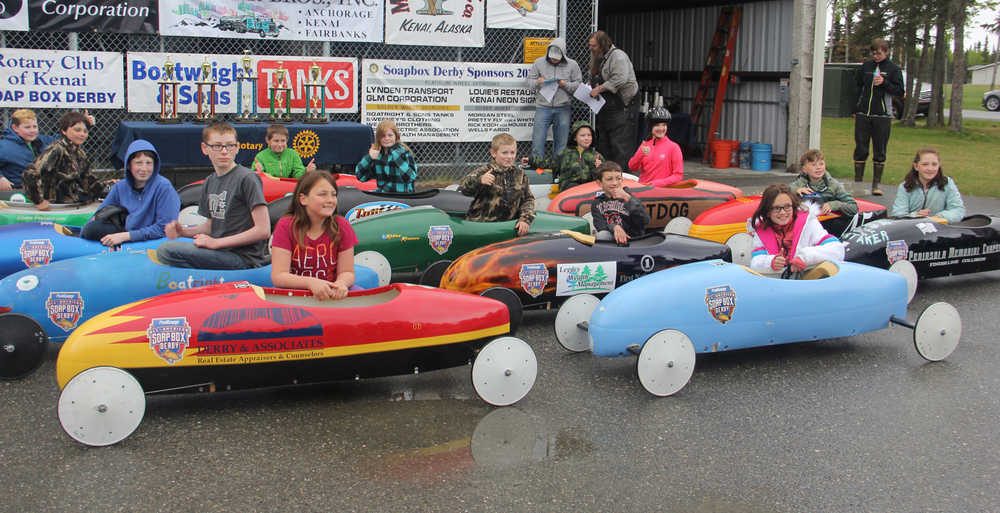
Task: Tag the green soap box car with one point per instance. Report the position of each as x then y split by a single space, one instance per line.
414 238
17 209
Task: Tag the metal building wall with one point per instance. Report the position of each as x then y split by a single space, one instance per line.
678 41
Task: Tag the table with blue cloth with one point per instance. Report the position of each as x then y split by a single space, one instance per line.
179 145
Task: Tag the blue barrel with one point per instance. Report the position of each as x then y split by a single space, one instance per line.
761 157
745 154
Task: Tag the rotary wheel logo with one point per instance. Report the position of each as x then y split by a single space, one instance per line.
306 143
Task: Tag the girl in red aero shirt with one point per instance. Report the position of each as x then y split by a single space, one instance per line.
313 247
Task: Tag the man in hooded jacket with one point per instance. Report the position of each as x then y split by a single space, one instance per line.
556 67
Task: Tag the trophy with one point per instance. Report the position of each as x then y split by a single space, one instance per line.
246 96
168 95
280 96
206 102
315 97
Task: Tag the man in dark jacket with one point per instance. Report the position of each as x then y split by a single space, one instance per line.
877 80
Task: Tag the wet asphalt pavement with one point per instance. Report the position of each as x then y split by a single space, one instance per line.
853 424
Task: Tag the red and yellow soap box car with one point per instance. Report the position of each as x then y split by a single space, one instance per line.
238 336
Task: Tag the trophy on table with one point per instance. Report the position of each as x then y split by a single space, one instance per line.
206 102
280 96
246 95
315 97
168 95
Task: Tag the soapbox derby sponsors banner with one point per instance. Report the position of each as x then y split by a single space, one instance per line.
145 69
522 14
448 101
434 22
60 79
298 20
130 17
13 14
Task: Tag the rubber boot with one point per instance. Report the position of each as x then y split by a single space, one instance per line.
877 177
859 170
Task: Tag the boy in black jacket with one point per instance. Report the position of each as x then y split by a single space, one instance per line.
615 210
877 80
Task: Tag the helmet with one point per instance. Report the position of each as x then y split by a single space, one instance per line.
658 115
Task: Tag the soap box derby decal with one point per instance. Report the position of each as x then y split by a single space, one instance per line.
934 247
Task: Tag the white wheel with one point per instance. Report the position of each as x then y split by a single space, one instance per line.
452 187
504 371
571 333
666 362
741 245
679 225
630 176
937 330
188 216
101 406
590 220
905 268
376 262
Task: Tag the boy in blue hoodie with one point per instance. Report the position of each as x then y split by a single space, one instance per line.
149 199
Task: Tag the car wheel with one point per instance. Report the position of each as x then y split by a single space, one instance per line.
23 346
434 272
509 298
993 103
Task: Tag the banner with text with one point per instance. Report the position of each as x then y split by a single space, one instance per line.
448 101
522 14
132 17
337 74
356 20
13 14
433 25
58 79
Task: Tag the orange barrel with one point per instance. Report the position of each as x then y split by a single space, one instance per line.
721 153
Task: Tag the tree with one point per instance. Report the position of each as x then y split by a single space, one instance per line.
957 10
935 113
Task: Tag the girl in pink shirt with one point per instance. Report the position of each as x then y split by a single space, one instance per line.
658 159
313 247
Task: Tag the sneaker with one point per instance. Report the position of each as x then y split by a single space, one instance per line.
877 192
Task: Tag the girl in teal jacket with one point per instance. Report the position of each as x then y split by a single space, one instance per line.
926 191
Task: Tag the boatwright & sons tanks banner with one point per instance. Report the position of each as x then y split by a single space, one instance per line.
131 17
299 20
338 76
448 101
59 79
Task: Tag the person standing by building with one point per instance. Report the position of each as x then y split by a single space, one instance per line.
613 78
553 67
878 80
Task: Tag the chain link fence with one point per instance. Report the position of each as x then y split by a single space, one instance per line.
439 162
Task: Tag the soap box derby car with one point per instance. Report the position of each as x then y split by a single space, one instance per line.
355 204
688 198
716 306
33 244
548 268
68 214
723 221
47 303
934 247
414 238
273 187
236 335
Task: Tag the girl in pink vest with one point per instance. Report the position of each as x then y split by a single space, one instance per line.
785 236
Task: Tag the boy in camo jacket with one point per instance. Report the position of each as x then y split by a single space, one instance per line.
500 190
577 163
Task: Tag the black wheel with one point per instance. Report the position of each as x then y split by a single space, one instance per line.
22 345
993 103
434 272
509 298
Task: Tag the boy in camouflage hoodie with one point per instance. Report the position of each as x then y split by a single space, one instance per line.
501 190
575 164
813 178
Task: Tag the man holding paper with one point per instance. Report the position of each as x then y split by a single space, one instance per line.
613 79
553 77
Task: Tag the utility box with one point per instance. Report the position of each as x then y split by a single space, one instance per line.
839 89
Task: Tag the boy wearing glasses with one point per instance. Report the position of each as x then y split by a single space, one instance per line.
235 234
878 80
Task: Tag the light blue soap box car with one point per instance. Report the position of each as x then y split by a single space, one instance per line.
47 303
27 245
665 318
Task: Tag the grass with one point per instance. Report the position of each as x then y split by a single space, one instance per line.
971 157
972 96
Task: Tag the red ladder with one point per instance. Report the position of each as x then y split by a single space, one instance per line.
724 39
